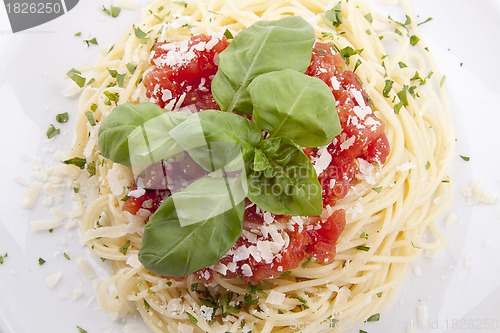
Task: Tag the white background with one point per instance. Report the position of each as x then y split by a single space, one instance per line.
460 288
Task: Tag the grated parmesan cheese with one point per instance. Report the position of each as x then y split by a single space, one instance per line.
31 196
275 297
422 315
476 195
53 279
45 225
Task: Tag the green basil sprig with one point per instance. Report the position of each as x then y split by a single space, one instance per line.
174 250
264 47
259 157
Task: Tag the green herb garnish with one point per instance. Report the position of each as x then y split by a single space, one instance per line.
292 109
333 17
131 67
81 330
52 131
41 261
112 11
387 88
91 41
62 117
90 118
363 248
2 258
375 317
74 75
124 248
465 158
77 161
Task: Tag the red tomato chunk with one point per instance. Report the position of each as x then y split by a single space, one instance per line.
181 75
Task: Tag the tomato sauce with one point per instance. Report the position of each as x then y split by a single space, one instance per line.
181 76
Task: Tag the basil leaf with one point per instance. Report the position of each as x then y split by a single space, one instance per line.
264 47
171 249
151 142
215 139
114 130
285 182
293 105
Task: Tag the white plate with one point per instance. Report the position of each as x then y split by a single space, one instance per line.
458 291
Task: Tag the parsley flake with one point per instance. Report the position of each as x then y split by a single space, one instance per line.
41 261
333 17
81 330
2 258
77 161
112 11
62 117
91 41
387 88
192 318
131 67
363 248
375 317
414 40
124 249
74 75
90 118
465 158
52 131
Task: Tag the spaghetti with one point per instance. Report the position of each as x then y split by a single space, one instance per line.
389 217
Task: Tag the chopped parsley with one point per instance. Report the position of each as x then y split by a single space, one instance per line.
74 75
77 161
131 67
91 41
81 330
363 248
141 35
78 34
228 34
41 261
124 249
91 169
112 11
52 131
66 256
112 97
364 235
146 305
308 262
387 88
375 317
414 40
62 117
427 165
90 118
2 258
465 158
333 17
377 189
423 22
192 318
